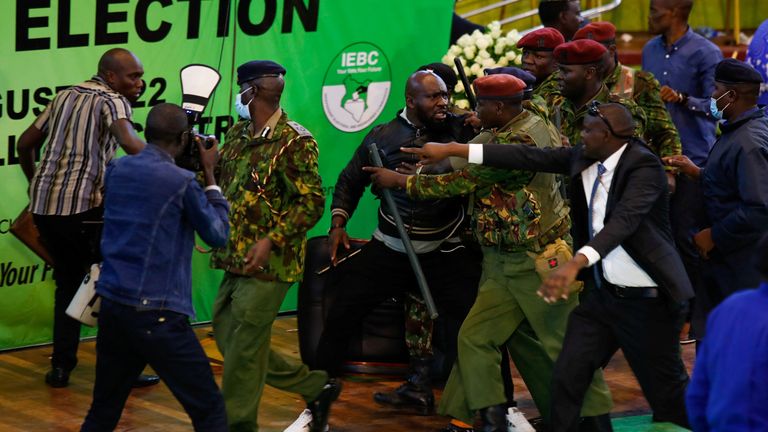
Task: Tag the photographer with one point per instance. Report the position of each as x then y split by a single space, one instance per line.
152 209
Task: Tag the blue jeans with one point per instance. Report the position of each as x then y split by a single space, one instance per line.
128 339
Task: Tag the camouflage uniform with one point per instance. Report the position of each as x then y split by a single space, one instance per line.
641 87
549 86
571 119
519 218
275 191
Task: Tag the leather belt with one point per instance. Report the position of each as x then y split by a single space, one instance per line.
630 292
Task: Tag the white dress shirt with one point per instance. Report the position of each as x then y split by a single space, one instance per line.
618 267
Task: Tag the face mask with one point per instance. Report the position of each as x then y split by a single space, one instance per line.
242 110
716 113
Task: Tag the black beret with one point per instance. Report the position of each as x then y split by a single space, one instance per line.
732 71
257 69
445 73
527 77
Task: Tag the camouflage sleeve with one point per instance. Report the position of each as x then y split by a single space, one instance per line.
637 113
660 132
471 177
300 173
538 106
464 181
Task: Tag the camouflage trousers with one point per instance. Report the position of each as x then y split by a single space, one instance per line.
418 327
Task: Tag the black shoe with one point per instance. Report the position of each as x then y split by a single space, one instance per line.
146 381
321 407
408 396
57 377
539 424
494 418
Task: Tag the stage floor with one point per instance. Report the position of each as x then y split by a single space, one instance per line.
27 404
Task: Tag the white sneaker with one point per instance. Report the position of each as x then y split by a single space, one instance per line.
516 421
301 424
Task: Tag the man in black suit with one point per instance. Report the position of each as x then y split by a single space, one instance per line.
638 289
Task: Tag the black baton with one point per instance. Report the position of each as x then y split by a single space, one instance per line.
431 308
465 81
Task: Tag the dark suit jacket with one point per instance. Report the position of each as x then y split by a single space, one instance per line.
637 212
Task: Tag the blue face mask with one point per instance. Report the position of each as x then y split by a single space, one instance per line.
242 110
717 113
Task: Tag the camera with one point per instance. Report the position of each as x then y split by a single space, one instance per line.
189 158
197 84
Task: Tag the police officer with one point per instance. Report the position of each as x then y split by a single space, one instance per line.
734 184
520 219
269 175
538 58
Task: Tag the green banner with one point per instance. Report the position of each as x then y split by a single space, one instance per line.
332 50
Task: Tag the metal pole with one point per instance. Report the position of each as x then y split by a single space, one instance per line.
390 202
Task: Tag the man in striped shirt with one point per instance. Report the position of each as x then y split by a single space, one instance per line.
82 126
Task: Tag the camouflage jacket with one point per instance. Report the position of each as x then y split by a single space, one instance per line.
640 86
505 213
275 190
549 86
571 119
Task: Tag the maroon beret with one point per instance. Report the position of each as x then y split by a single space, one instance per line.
544 39
603 32
499 86
578 52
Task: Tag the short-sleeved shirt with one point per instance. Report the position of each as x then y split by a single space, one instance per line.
70 177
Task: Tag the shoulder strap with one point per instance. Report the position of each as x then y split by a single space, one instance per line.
301 130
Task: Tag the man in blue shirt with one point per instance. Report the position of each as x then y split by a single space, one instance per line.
728 390
734 184
684 63
152 209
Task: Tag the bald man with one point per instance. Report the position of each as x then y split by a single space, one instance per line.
637 291
382 270
82 127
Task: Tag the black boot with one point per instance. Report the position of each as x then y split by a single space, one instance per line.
321 407
494 418
414 394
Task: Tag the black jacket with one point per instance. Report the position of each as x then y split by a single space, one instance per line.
637 211
425 219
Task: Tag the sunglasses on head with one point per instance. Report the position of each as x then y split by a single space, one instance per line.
594 110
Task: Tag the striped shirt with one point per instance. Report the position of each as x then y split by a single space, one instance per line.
70 177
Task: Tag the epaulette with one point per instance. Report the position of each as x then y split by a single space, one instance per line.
301 130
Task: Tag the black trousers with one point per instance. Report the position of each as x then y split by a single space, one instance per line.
73 242
128 339
686 207
647 332
379 273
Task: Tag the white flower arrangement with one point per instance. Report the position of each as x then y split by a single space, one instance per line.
479 51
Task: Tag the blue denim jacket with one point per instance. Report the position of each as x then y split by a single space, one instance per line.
152 209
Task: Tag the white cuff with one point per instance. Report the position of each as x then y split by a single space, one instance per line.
212 187
475 154
590 253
